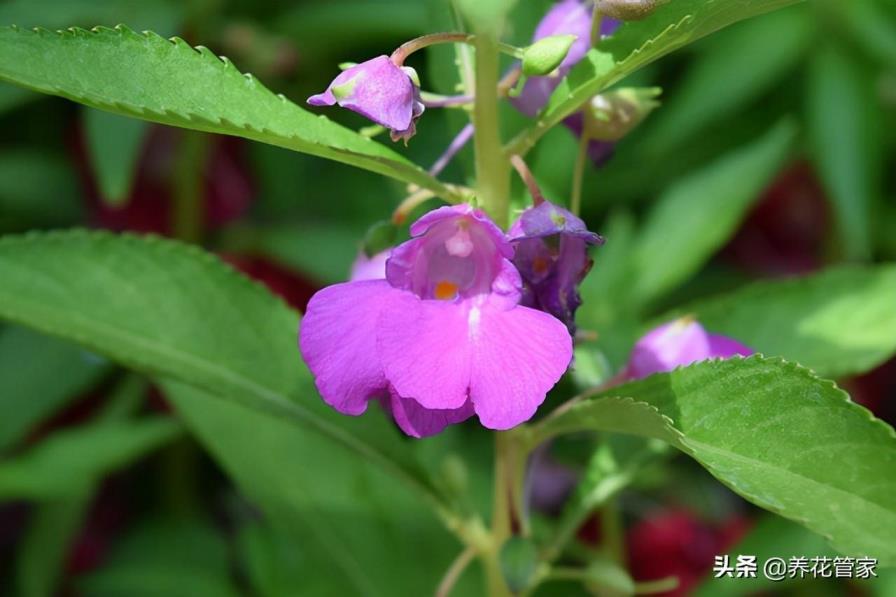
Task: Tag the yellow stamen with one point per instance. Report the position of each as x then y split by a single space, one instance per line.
445 290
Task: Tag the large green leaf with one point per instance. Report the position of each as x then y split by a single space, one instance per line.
168 81
699 213
845 144
171 310
32 387
839 322
635 44
354 531
774 433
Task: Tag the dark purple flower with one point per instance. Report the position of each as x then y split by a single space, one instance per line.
442 337
677 344
379 90
552 257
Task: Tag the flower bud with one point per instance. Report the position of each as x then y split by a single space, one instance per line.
546 54
678 344
519 559
377 89
614 114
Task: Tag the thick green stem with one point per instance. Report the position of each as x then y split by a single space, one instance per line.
492 167
501 515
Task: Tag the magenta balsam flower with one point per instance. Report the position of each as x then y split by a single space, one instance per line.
677 344
552 258
442 337
379 90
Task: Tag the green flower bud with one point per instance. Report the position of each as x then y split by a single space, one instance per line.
519 559
614 114
542 57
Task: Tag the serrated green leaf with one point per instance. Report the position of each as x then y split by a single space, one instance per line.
844 144
774 433
173 311
636 44
114 144
32 389
699 213
168 81
714 84
839 322
68 461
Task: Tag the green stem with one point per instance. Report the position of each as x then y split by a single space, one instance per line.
578 174
492 167
596 19
455 571
189 211
402 52
501 516
613 531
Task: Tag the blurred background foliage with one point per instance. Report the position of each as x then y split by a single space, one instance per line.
774 154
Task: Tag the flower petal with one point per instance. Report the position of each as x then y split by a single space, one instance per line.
723 347
425 349
518 355
675 344
337 339
417 421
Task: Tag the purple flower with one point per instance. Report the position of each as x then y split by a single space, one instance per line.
442 337
552 258
677 344
379 90
369 268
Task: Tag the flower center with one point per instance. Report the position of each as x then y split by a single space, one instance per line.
445 290
459 260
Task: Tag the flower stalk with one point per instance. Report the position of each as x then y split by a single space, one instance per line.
492 167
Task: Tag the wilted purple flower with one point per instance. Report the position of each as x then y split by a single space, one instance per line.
552 256
369 268
677 344
442 337
379 90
